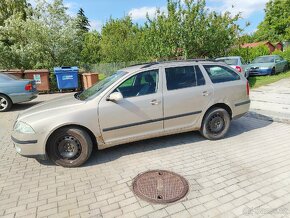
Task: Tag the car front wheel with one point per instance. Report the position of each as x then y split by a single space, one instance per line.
215 124
5 103
69 147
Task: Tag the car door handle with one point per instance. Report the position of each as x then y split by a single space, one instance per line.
155 102
205 93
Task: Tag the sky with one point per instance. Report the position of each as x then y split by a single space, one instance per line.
99 11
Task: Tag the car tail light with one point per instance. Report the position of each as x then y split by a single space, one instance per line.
239 69
28 87
248 88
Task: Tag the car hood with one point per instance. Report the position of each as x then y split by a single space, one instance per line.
49 108
269 65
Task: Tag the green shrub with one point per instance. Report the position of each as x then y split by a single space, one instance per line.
285 54
249 54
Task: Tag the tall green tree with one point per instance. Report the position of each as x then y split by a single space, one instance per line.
83 23
276 25
189 29
119 40
13 7
91 51
48 38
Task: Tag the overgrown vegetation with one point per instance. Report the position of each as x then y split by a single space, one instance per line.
249 54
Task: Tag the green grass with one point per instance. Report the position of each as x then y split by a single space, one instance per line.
257 81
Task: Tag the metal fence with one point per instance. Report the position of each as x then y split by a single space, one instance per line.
109 68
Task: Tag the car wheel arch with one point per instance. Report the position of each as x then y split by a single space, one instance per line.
220 105
6 96
91 134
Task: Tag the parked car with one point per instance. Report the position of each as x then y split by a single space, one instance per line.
236 62
14 90
135 103
267 65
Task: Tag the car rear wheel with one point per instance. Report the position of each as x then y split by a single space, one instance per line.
215 124
5 103
69 147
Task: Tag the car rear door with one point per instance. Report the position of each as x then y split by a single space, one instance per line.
229 87
186 95
138 115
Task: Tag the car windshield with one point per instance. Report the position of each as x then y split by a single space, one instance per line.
229 61
268 59
101 86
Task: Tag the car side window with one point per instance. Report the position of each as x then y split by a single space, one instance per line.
144 83
183 77
220 74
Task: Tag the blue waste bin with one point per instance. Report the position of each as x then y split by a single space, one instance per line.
66 77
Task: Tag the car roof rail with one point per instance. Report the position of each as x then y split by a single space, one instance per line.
149 64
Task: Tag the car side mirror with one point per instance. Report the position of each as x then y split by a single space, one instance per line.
115 96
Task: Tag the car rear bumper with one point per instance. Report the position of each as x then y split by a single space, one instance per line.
241 108
28 145
261 72
23 97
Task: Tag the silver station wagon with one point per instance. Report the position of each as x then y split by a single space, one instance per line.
135 103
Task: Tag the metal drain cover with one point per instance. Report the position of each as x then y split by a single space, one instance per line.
160 186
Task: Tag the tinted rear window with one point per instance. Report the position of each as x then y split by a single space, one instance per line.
219 74
183 77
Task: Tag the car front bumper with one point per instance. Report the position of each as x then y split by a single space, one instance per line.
260 72
29 145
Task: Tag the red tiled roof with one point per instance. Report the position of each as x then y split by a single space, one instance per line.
254 44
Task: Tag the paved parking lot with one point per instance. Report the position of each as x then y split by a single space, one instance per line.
272 101
246 174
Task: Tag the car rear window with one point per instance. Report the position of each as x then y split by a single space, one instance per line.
183 77
220 74
230 61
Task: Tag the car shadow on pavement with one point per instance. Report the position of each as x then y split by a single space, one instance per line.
237 128
24 106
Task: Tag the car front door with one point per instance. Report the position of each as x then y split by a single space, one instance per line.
138 114
186 95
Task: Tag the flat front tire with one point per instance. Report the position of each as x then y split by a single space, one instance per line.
69 147
5 103
215 124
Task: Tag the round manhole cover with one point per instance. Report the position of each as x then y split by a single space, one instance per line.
160 186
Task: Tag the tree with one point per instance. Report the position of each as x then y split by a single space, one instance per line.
189 30
119 41
82 21
90 53
47 38
13 7
276 25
